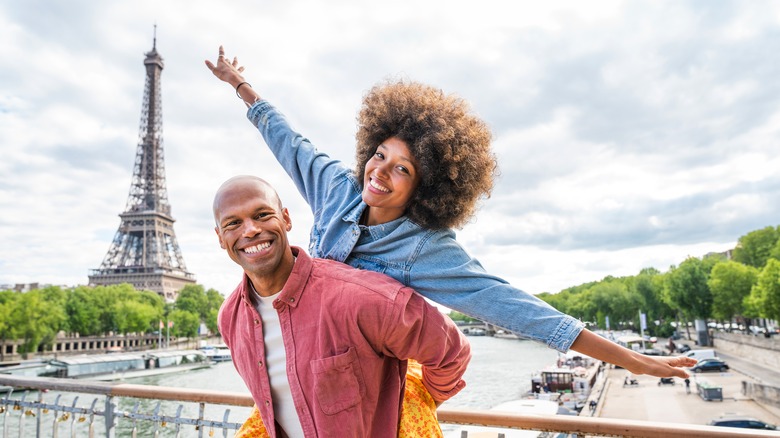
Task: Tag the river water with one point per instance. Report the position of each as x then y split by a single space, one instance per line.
500 370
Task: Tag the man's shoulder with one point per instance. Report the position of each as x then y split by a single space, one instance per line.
356 279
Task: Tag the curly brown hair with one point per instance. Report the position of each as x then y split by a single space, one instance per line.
452 148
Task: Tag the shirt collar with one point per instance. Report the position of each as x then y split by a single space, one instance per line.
293 288
296 282
354 214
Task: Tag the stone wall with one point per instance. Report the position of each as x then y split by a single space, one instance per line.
761 350
763 394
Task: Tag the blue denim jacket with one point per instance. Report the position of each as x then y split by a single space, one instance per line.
430 261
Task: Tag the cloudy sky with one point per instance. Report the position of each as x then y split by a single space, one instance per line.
630 134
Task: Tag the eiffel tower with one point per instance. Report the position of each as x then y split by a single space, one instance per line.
144 251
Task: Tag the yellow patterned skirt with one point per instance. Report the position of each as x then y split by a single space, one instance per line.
418 412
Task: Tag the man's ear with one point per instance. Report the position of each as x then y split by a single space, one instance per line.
219 236
287 220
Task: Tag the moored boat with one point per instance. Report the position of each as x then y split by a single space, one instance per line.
217 353
115 366
569 381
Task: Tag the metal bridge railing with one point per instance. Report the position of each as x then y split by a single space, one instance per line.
20 414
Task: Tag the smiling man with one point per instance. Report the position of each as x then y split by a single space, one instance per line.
323 347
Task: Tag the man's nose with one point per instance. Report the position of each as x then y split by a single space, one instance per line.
251 229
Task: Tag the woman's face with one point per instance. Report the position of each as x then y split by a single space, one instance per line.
389 181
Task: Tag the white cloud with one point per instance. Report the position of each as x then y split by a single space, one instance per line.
630 134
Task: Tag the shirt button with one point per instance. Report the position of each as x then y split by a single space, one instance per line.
292 300
268 403
257 321
260 363
355 231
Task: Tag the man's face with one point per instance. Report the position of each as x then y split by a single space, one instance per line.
252 227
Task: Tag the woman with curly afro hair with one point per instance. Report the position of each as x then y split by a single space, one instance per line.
450 146
423 162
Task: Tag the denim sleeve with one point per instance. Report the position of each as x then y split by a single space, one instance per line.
443 272
311 171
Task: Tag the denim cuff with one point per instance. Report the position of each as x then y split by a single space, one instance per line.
565 334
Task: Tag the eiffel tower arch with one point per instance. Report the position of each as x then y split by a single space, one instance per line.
144 251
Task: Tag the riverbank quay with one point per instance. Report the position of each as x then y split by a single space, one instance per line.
649 401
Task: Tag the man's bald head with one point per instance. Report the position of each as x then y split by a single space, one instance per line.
242 183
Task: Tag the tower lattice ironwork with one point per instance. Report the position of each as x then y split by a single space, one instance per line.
144 251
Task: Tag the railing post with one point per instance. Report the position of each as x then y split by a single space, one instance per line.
38 416
56 421
92 419
135 420
6 408
224 420
178 417
21 415
201 416
109 415
73 418
156 419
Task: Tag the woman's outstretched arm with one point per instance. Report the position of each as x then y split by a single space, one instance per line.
595 346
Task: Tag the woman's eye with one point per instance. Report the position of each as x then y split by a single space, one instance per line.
379 155
403 169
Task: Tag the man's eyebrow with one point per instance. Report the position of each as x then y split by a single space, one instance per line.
227 218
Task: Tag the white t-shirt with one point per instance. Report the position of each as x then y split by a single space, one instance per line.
276 365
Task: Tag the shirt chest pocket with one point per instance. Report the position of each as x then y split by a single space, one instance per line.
338 381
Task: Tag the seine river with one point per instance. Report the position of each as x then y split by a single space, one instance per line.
500 370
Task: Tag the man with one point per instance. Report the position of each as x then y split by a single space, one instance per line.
322 346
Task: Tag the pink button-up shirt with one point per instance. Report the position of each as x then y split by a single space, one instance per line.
347 335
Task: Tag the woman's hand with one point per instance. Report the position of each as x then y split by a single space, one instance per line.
230 72
226 70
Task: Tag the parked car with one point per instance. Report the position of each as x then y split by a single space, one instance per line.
732 420
710 364
700 354
683 348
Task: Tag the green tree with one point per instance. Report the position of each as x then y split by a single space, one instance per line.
192 298
730 282
211 321
755 248
7 305
649 286
686 288
135 316
36 321
767 290
185 323
214 299
83 313
151 298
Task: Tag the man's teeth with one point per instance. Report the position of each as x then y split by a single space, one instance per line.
257 248
377 186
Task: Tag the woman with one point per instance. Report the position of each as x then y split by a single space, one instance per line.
423 162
